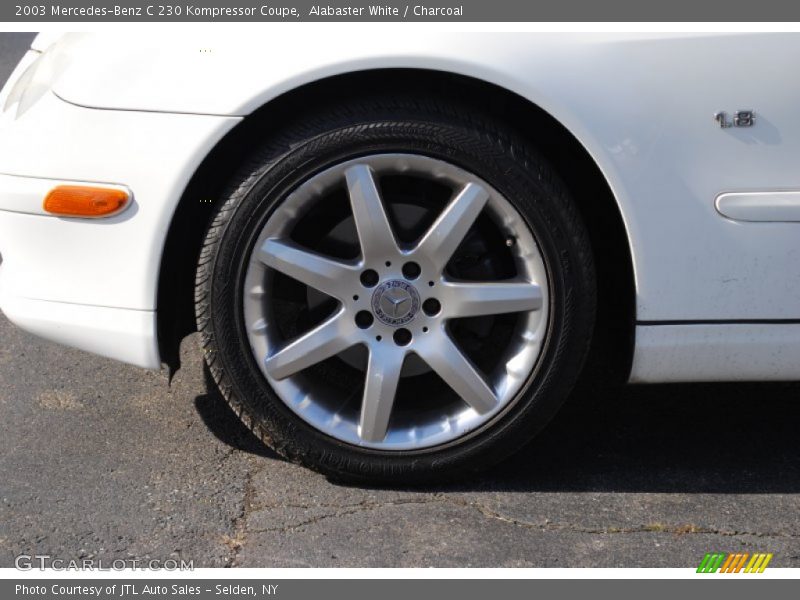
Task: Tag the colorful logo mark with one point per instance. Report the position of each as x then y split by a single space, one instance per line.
734 563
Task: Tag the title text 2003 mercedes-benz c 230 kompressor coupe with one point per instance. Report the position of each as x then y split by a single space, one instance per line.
400 251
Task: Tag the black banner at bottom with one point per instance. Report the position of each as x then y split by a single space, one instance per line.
388 589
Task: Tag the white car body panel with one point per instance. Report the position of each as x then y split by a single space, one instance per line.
92 283
111 262
119 333
716 352
641 105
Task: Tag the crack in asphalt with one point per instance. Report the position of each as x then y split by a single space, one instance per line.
683 529
240 531
370 505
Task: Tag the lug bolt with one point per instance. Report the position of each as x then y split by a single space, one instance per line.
431 307
411 270
402 337
364 319
369 278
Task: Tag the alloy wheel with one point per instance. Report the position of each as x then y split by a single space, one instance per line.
391 311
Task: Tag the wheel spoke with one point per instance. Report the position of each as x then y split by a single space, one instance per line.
492 298
327 339
449 229
459 373
372 224
383 375
319 272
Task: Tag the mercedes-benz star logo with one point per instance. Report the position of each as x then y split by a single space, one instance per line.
395 302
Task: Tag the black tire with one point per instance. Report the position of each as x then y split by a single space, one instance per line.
425 126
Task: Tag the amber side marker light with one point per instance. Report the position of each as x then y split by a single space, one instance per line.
84 201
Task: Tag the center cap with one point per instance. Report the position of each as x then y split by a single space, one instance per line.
395 302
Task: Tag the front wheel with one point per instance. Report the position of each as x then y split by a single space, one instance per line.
396 293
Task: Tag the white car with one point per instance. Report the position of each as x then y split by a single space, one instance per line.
399 250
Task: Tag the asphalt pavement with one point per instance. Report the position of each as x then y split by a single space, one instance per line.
107 461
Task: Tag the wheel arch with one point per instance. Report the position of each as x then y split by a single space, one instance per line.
612 348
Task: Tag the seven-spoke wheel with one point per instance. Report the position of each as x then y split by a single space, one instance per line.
397 293
393 316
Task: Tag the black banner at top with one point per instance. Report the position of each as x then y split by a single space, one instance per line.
400 11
